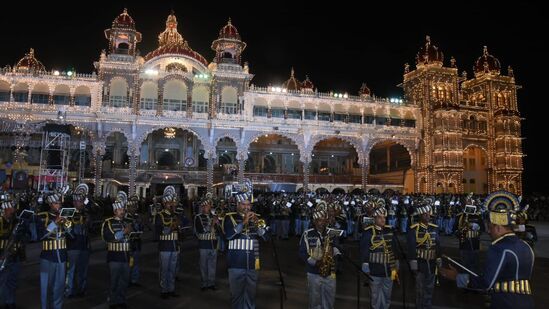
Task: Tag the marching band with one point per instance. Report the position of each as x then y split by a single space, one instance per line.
237 225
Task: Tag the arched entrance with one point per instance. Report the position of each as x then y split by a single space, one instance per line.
171 149
115 164
226 157
390 164
273 154
334 160
475 170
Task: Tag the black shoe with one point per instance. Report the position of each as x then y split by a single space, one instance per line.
204 288
213 288
135 284
80 295
164 295
173 294
10 306
177 279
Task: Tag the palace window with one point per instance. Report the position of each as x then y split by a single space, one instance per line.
277 112
148 103
355 118
40 98
260 111
294 114
339 117
310 114
200 107
324 116
20 97
175 105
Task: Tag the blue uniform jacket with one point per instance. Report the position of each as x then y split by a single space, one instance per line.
377 250
118 246
79 238
207 237
53 237
423 247
310 240
168 232
509 259
243 246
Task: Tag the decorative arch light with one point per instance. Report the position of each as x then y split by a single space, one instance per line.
169 133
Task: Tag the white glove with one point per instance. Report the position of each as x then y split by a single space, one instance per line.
365 268
413 265
311 261
336 251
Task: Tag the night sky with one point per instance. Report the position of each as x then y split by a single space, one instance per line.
339 45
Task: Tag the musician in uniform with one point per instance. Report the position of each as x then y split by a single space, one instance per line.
137 224
167 226
317 248
78 245
377 248
403 214
424 253
468 232
13 234
509 260
115 231
206 225
243 230
53 230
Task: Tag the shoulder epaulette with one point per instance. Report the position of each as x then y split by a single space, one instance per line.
413 226
433 225
369 227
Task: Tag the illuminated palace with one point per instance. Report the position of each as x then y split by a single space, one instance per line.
172 117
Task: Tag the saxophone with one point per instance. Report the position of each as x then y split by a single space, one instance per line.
327 262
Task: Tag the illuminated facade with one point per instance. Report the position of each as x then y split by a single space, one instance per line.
172 117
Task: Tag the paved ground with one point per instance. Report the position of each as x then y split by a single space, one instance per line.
446 295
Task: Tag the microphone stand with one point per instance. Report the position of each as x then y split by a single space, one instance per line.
283 295
358 272
403 253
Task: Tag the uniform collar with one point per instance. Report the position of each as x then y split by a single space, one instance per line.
502 236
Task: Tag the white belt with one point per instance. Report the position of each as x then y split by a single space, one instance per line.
472 234
171 236
207 236
241 244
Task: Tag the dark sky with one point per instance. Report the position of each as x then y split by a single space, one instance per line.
339 45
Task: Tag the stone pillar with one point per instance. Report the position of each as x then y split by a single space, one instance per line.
241 167
306 176
388 151
132 172
364 174
210 171
97 173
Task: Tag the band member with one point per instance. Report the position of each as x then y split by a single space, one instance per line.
137 224
468 232
115 231
243 229
509 261
377 248
52 230
403 214
167 225
13 234
206 225
424 253
78 245
317 248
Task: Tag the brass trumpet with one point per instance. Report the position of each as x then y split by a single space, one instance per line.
219 212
